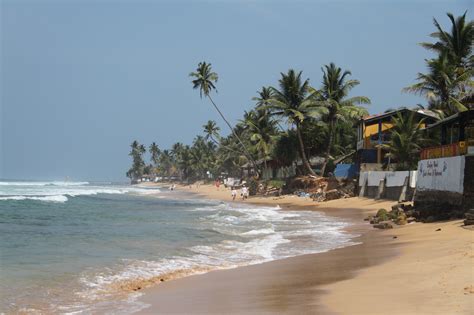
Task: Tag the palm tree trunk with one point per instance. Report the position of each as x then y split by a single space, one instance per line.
332 125
306 164
246 152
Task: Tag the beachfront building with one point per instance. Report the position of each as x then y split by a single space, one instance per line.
445 180
375 130
455 135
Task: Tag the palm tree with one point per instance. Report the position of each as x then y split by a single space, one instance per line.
406 141
166 163
334 93
155 153
294 102
264 96
205 80
211 131
457 44
261 131
263 100
184 162
443 86
138 165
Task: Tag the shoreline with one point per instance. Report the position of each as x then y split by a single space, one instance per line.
413 269
285 277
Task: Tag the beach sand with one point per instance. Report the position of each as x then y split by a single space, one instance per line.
426 269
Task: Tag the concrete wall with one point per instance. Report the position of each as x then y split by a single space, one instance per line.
445 186
393 183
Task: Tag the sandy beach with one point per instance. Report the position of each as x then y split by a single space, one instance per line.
413 269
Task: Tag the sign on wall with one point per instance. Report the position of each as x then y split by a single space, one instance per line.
443 174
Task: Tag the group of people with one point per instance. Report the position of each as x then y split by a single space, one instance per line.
244 193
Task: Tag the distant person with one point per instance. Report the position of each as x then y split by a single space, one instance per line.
245 192
234 193
218 184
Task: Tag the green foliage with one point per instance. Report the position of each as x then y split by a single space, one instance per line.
406 141
295 101
448 84
382 214
138 165
286 148
253 186
341 108
204 78
276 183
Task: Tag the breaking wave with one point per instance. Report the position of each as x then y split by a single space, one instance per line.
62 191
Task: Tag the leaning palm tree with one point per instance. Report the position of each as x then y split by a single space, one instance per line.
204 80
294 101
334 95
406 141
457 43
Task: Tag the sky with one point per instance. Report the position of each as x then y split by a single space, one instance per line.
80 80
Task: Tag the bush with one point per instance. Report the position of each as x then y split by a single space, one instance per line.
276 183
382 214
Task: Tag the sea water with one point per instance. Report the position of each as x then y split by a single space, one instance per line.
81 248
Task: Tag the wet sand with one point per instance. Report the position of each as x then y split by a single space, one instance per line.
421 271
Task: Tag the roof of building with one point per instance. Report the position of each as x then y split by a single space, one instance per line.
424 112
468 114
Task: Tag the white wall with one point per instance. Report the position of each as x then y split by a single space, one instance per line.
444 174
393 179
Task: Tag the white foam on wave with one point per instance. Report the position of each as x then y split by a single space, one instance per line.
250 235
51 191
52 183
53 198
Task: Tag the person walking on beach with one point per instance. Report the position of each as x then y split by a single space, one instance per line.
234 193
245 192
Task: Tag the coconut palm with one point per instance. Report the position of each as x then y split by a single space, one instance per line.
443 86
261 131
294 102
334 94
138 165
204 80
264 95
262 101
184 162
406 141
155 153
211 131
456 44
166 163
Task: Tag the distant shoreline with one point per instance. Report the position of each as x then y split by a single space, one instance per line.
369 273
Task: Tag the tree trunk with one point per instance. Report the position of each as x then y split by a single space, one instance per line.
332 125
306 164
246 153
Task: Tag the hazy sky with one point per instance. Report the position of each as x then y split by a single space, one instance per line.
80 80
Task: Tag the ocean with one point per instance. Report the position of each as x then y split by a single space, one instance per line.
83 248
